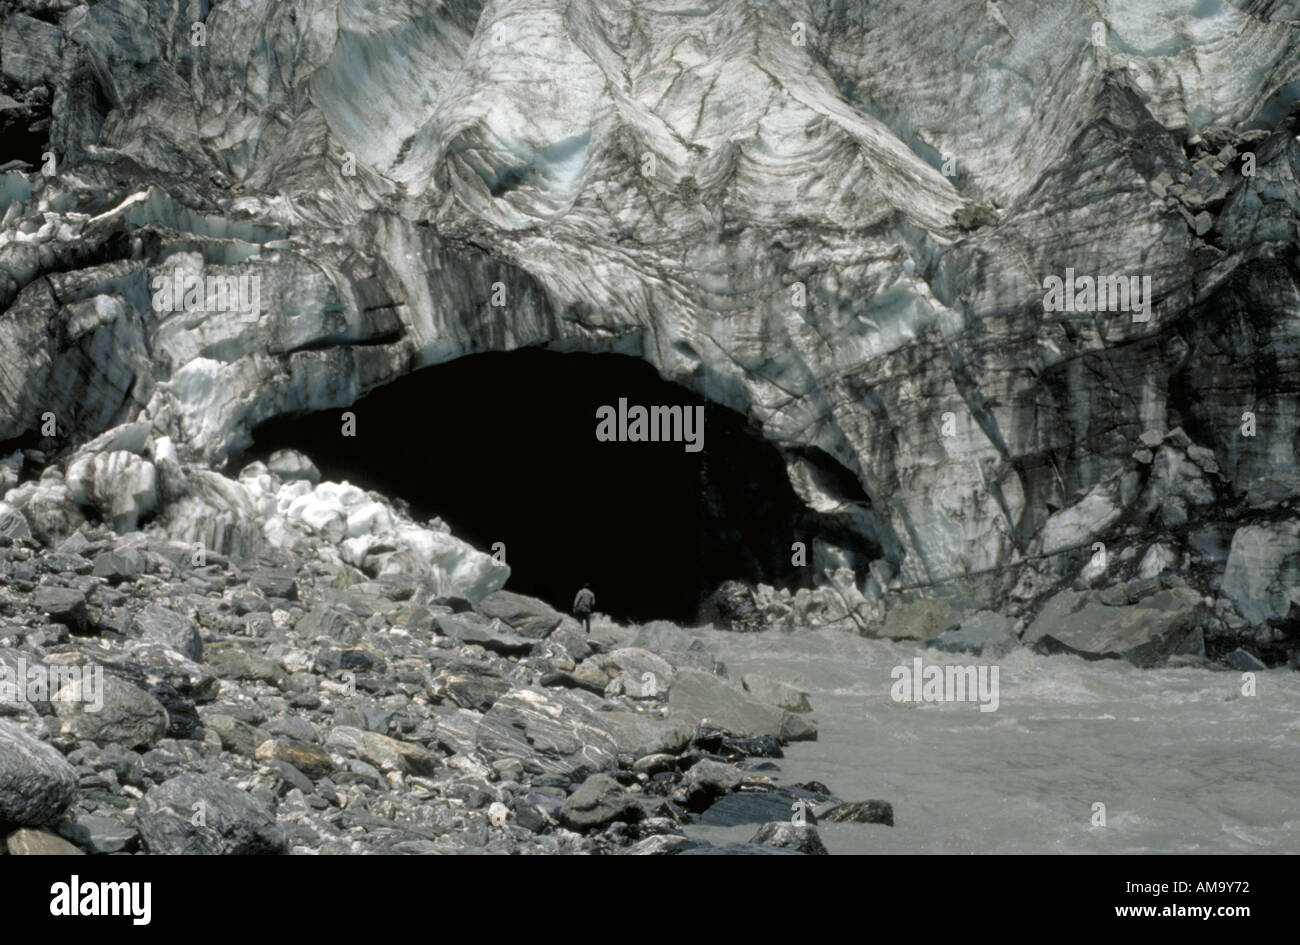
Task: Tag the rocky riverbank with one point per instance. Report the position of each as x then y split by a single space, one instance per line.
292 665
261 694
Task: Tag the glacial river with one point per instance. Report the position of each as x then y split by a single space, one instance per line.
1182 761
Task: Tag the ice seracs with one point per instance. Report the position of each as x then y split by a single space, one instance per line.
594 176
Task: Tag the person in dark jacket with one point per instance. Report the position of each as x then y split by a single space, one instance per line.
583 605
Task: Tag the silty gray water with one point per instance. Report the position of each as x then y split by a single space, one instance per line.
1183 762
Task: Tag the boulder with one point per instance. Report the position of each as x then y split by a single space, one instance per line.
775 692
644 675
467 628
58 562
13 524
548 732
1146 633
924 619
64 605
980 633
233 661
600 800
76 543
655 762
129 716
155 665
786 836
100 834
474 690
660 844
1244 661
641 733
175 631
384 752
539 809
705 782
1159 558
330 621
696 697
568 643
861 812
311 760
275 582
1271 491
674 644
202 814
118 566
28 842
294 726
36 783
235 735
527 616
732 607
381 751
750 807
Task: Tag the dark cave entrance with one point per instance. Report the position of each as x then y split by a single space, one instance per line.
503 448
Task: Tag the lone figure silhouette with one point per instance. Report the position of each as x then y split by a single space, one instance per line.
582 606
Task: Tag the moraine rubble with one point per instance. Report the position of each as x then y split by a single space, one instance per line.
280 699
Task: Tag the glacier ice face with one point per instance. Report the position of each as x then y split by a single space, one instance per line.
835 217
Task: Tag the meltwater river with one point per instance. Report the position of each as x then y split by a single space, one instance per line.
1182 761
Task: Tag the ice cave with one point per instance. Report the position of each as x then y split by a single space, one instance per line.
502 447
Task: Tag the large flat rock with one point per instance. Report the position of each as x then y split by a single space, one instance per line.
1145 633
525 615
547 732
491 636
697 696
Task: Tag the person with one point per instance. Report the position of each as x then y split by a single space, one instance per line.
583 605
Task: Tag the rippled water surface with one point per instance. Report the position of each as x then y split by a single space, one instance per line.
1182 761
